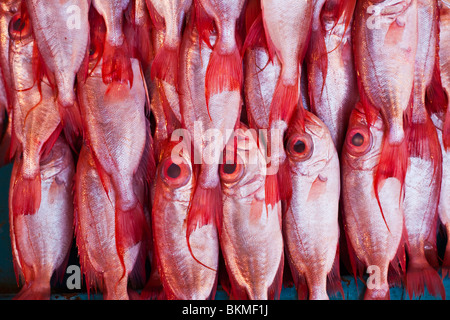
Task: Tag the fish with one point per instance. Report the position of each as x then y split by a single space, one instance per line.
62 37
116 131
310 222
386 32
168 20
36 119
41 242
287 25
333 89
187 272
203 116
423 176
96 233
117 64
251 238
442 123
375 241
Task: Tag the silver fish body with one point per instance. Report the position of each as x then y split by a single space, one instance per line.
41 242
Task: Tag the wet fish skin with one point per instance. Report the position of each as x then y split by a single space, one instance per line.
385 34
374 240
97 245
62 36
334 97
42 242
311 227
183 276
251 234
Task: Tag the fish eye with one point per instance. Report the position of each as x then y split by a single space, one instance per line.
175 174
300 147
19 27
231 172
358 141
94 51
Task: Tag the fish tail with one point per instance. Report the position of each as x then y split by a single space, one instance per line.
48 145
393 163
26 198
419 276
117 64
205 208
285 183
255 34
72 125
423 142
272 191
224 73
203 23
284 103
165 64
131 228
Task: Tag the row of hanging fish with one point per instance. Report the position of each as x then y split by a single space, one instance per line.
246 143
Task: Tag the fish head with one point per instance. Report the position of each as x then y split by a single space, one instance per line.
242 176
363 142
175 179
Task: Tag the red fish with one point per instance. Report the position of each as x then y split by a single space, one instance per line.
423 178
41 242
310 224
208 128
250 232
115 130
376 241
187 272
330 66
117 64
385 46
36 120
62 36
96 234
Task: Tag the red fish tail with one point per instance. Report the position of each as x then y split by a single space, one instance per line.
334 277
205 209
224 73
72 125
423 142
165 64
285 183
117 64
26 197
418 277
254 26
48 145
204 24
446 131
272 191
131 228
436 99
284 103
393 163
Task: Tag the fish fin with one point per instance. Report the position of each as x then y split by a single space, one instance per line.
205 208
72 125
157 20
224 73
418 277
165 65
116 65
356 265
285 183
334 283
393 163
36 290
300 284
26 198
48 145
204 24
14 144
131 228
255 33
446 131
284 103
423 142
272 191
274 290
138 275
436 99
